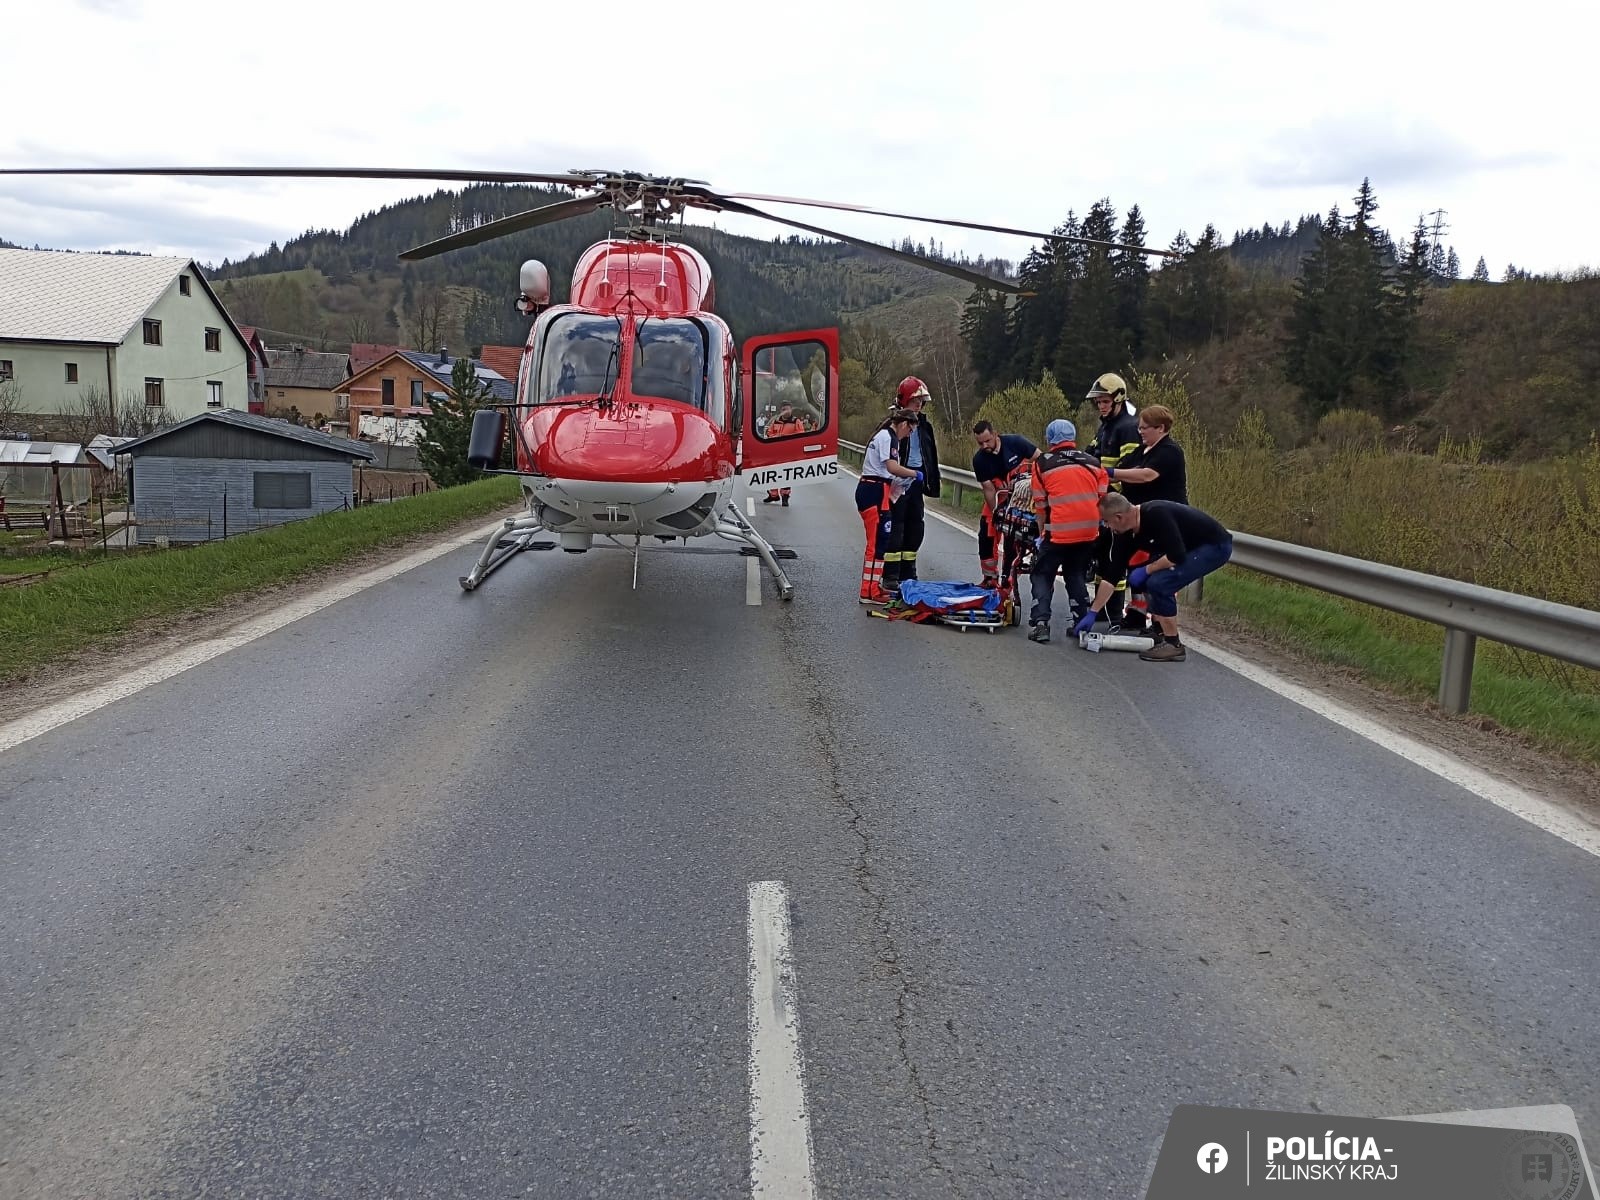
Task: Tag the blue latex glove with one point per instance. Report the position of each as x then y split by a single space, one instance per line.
1087 623
919 476
1038 543
1137 576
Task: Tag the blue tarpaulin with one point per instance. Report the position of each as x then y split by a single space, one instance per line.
949 596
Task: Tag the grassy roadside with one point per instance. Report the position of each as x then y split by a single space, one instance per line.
95 603
1404 660
1560 712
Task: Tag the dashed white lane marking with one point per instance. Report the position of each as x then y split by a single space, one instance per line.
1534 809
752 581
780 1128
750 506
56 715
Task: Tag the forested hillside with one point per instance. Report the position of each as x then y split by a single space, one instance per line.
1296 320
1363 322
330 288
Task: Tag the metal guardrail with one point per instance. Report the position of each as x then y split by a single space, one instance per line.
1465 610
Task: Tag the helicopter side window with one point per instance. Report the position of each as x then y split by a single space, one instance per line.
669 361
580 357
791 390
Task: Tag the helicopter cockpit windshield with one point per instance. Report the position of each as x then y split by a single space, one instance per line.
580 357
669 360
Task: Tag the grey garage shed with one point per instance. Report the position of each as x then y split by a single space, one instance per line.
227 472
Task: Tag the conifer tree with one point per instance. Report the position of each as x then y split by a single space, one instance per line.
1131 272
983 325
442 448
1089 341
1452 266
1480 273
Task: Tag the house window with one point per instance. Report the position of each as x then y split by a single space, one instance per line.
388 392
213 393
152 333
72 372
283 489
183 285
280 395
152 393
214 340
416 393
5 369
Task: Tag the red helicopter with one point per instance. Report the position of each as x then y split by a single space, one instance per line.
634 412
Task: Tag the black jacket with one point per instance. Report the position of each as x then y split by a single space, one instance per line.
1117 436
930 454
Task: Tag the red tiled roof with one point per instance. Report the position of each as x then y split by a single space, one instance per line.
504 361
364 354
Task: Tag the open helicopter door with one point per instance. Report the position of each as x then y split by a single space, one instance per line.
789 435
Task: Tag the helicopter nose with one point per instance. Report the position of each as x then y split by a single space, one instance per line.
630 443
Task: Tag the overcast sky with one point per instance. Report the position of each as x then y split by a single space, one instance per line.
1228 111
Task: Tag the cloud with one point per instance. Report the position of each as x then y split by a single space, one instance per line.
1267 23
1343 150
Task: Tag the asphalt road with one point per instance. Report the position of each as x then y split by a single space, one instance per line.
432 894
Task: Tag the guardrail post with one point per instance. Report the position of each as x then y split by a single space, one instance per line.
1455 676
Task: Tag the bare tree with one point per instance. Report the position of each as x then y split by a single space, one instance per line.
135 418
429 315
358 328
949 368
10 405
91 413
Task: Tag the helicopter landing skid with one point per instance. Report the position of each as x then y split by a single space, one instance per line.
740 530
513 537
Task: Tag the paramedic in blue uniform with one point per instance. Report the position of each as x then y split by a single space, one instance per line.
1000 458
919 452
1183 544
883 480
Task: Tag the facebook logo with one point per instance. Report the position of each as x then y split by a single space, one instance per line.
1212 1158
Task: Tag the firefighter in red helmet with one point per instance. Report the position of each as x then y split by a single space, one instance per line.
919 452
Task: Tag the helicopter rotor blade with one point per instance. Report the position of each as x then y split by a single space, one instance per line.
578 206
452 174
878 212
728 204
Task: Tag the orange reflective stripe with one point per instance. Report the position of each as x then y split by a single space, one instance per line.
1064 526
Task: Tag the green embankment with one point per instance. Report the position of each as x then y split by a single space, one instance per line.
81 607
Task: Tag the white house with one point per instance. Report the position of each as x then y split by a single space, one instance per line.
137 332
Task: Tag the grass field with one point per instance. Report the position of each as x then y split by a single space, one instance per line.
98 601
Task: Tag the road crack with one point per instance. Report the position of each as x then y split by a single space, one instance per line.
886 949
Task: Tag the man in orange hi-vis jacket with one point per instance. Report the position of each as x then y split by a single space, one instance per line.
1067 486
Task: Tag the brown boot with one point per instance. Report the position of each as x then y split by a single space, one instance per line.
1164 652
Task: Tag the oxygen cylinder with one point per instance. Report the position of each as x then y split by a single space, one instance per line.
1096 642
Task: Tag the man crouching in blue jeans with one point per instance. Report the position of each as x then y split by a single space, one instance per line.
1183 544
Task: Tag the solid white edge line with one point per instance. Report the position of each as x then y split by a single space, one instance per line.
1535 810
54 716
752 581
780 1127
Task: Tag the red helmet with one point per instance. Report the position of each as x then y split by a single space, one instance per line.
911 388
